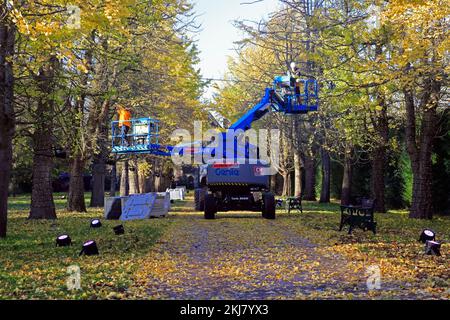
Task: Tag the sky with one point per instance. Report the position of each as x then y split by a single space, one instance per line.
217 33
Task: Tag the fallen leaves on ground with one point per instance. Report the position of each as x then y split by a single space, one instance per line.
242 256
237 256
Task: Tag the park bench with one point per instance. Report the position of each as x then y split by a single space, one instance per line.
294 203
360 216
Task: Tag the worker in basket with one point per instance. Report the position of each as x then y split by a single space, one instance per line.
295 82
124 122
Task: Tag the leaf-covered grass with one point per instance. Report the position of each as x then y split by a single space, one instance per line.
395 248
32 267
322 222
240 255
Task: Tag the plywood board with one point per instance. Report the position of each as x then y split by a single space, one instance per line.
138 206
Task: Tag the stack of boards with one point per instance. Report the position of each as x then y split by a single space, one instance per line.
161 206
137 206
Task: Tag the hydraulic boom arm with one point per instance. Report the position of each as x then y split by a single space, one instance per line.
282 98
255 113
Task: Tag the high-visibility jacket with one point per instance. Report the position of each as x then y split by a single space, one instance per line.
124 117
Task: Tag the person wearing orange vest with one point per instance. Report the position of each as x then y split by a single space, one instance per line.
124 120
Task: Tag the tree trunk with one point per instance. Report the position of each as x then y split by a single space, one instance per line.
5 174
98 182
347 180
420 148
158 180
279 184
142 182
124 180
133 181
99 159
380 122
157 183
112 190
273 183
7 117
150 183
310 178
76 200
297 174
326 176
422 204
286 183
133 177
377 179
150 180
42 204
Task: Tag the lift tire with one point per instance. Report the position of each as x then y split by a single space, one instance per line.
268 207
203 193
199 199
210 206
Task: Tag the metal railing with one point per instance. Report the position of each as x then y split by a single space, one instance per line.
141 135
303 99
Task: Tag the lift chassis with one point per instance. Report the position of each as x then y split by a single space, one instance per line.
234 187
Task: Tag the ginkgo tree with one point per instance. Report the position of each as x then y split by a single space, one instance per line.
382 68
54 56
7 112
419 63
72 61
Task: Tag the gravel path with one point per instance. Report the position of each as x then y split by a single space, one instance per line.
242 256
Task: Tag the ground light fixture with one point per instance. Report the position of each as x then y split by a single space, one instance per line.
63 240
118 230
89 248
432 248
96 223
426 235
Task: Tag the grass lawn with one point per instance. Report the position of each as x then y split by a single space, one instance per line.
22 202
31 267
394 249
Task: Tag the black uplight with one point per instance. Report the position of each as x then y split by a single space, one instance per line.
118 230
63 240
89 248
426 235
96 223
432 248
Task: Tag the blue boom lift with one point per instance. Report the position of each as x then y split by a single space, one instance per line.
228 185
235 185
